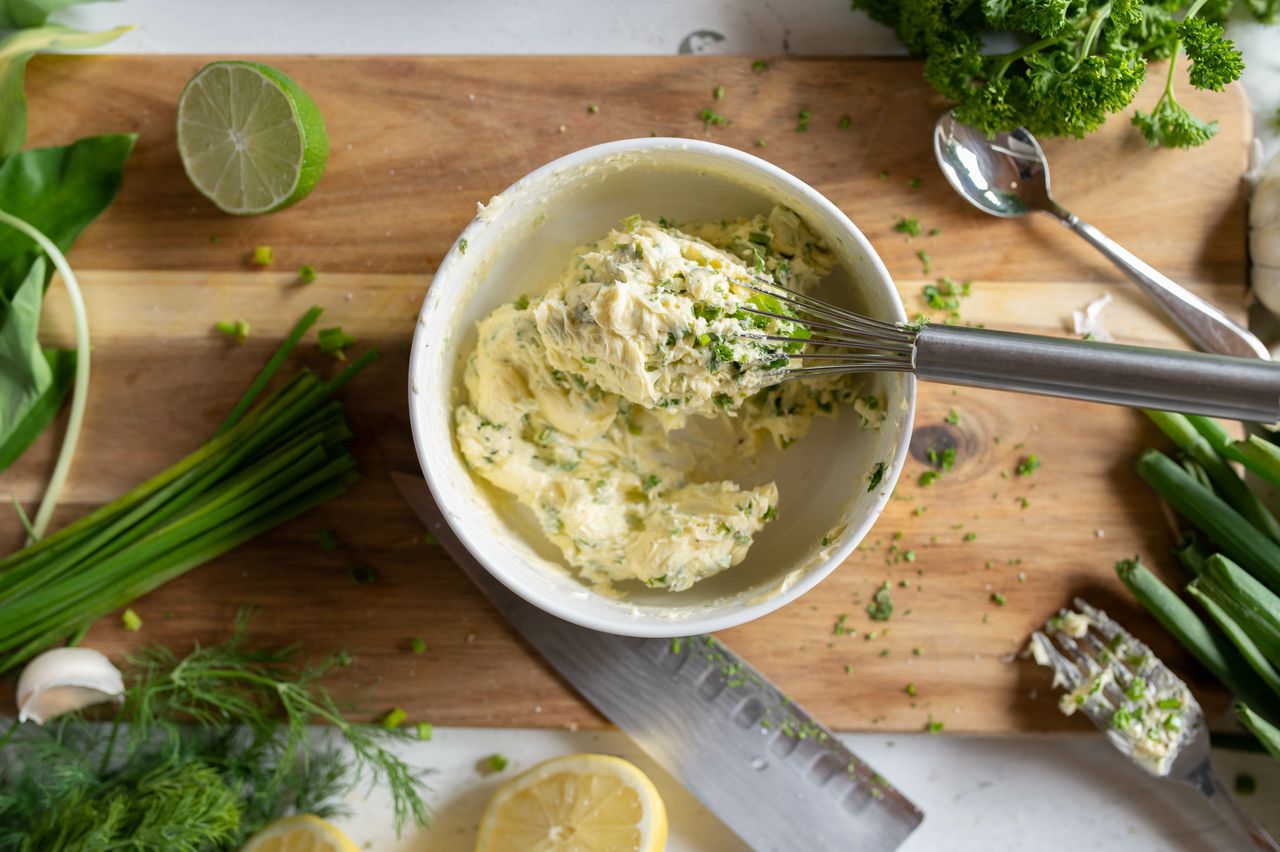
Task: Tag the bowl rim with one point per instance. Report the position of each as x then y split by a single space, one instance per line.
715 619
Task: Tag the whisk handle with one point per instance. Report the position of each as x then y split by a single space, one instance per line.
1188 382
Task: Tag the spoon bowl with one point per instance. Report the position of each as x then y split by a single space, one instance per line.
1006 175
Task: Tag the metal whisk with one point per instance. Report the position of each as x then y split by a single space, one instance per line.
843 341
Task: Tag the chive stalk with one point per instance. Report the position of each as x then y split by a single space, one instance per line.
269 461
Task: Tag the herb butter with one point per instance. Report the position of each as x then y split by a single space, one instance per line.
579 401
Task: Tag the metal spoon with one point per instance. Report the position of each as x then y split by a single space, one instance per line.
1008 176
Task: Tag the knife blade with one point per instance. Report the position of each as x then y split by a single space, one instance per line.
767 768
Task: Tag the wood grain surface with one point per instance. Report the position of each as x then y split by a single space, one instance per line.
416 143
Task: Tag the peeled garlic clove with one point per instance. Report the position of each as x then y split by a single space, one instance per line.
65 679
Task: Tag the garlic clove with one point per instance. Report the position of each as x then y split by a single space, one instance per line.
65 679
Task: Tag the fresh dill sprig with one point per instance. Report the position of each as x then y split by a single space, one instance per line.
217 746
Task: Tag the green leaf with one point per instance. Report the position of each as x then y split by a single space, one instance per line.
24 373
59 191
62 366
18 47
17 14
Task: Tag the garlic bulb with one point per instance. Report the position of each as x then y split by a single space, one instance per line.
1264 234
65 679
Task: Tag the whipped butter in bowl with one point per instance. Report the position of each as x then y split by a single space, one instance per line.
596 396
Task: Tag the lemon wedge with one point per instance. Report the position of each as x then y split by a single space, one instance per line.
576 803
300 834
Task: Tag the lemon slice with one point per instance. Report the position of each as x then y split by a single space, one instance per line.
577 803
252 141
300 834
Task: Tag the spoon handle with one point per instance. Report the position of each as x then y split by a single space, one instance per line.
1210 328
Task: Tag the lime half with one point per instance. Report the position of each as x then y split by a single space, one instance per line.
252 141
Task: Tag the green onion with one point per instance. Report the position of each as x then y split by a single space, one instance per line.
1249 649
1228 484
1226 527
1258 456
1267 733
1248 602
1213 650
269 462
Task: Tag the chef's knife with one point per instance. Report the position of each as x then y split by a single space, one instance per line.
775 775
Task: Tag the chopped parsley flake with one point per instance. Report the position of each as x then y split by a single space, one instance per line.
907 224
881 606
928 478
802 121
710 117
1028 465
926 262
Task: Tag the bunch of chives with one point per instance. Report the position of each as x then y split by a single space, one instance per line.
271 460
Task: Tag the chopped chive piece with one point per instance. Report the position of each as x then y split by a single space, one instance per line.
910 689
760 143
877 476
425 730
496 763
881 606
953 417
1028 465
998 599
395 718
417 645
327 540
928 478
759 65
933 727
913 183
363 575
334 341
718 93
307 273
845 122
521 302
593 108
802 121
131 620
262 256
238 330
926 262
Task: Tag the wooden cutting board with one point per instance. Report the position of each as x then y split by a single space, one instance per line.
416 143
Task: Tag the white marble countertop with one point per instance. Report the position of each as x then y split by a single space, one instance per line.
1013 793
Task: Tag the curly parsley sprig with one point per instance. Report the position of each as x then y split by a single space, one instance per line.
1076 63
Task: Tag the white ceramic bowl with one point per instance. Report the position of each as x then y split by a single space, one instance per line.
521 242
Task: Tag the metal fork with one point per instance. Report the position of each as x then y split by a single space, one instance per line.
1110 677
